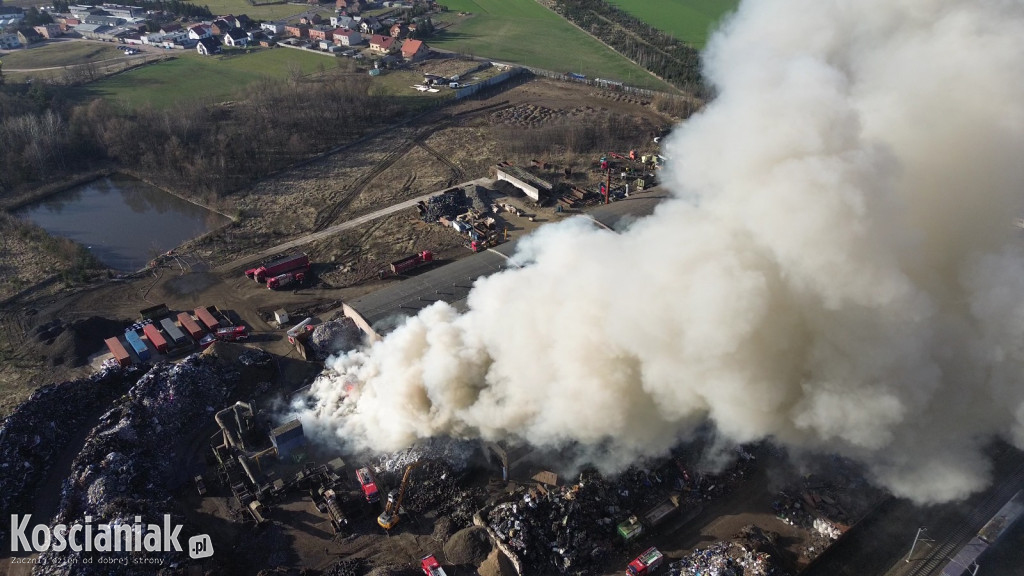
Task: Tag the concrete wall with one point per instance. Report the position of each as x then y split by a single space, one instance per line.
474 88
356 317
527 189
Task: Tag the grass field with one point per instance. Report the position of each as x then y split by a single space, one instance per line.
524 32
193 76
220 8
688 20
66 53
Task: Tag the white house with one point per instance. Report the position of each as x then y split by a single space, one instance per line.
236 37
273 27
347 38
343 22
199 31
208 46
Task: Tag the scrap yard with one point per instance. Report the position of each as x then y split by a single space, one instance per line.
174 393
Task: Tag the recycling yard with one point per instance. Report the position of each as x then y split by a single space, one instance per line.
168 391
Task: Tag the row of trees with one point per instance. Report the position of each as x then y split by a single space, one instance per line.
178 7
665 56
204 149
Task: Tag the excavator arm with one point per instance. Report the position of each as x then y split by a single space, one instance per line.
389 517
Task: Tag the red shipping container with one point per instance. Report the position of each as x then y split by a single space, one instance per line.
117 349
155 338
206 318
190 326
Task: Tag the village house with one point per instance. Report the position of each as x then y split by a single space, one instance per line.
48 31
272 27
208 46
382 44
414 50
236 37
298 31
343 37
199 31
318 33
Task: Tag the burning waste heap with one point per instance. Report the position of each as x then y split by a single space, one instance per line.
127 467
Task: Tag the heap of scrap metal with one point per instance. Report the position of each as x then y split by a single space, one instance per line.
124 470
448 205
335 336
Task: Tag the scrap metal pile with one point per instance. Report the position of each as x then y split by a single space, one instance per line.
743 557
335 336
39 429
448 205
126 469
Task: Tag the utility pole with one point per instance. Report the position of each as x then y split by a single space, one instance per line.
917 538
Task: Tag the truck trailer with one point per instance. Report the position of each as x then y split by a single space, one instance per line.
117 349
190 325
286 279
155 338
411 262
292 263
141 350
173 332
634 526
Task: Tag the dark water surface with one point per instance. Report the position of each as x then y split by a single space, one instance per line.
123 221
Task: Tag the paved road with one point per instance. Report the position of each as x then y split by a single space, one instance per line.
450 282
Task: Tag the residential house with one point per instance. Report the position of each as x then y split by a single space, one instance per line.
208 46
220 27
267 42
241 21
399 31
9 41
272 27
236 37
199 31
311 20
382 44
68 23
298 31
317 33
370 25
10 16
415 50
29 36
343 22
343 37
48 31
350 6
170 27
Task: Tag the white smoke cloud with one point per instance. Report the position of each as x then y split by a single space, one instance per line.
836 273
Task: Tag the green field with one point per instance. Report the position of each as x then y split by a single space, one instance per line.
688 20
263 12
191 76
65 53
524 32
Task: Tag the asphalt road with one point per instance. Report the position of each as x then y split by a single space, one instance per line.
450 282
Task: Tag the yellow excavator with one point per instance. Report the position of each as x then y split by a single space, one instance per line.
389 518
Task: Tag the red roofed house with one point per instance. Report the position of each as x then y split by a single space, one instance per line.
414 50
299 31
382 44
343 37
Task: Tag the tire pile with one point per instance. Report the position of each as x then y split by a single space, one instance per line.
127 467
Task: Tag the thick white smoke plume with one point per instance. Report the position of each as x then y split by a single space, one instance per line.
838 271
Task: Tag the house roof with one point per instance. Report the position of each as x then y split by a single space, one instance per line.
170 27
88 28
382 41
210 43
200 28
237 34
411 47
341 32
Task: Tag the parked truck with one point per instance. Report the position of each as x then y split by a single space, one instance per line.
645 563
634 526
411 262
286 279
291 263
431 567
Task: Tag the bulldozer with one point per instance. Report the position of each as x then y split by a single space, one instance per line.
388 519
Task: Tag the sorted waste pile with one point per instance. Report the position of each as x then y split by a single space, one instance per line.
335 336
127 466
455 453
33 436
255 358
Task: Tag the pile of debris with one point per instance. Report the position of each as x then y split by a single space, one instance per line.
345 567
454 453
330 338
448 205
34 435
725 559
128 468
255 358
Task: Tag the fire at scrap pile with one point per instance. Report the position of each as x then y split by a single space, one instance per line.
124 469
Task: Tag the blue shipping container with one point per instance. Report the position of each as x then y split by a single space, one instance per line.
137 344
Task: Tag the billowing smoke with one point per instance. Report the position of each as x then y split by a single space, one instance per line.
837 271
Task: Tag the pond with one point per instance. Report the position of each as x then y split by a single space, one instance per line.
123 221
